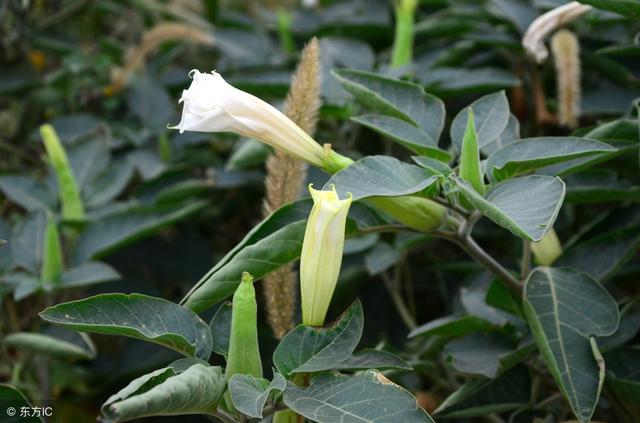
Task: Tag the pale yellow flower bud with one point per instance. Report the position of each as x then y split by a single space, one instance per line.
322 254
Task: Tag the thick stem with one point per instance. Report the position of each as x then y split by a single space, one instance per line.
474 250
526 260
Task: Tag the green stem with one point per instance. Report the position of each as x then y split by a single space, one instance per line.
284 30
403 42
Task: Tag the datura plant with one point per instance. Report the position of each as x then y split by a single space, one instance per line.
453 244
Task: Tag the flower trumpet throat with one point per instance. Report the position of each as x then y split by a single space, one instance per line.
321 255
213 105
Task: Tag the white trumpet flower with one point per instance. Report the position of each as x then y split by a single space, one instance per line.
213 105
321 256
533 40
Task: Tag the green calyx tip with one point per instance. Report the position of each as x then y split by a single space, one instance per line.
247 277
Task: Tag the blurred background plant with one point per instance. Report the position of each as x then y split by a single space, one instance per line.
159 207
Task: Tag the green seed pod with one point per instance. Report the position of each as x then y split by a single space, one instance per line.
244 353
52 263
72 207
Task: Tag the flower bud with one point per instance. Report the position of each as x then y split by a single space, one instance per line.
321 255
213 105
547 250
416 212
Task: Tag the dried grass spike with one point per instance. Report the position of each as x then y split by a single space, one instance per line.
285 178
566 55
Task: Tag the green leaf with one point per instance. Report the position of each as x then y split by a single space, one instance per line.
480 397
108 234
381 257
432 165
394 97
486 354
510 134
11 397
406 134
137 316
165 392
523 156
372 359
27 241
248 153
72 207
221 329
314 349
630 8
249 394
368 397
274 242
65 345
470 156
380 176
623 374
527 206
108 184
89 273
565 309
603 256
27 192
448 81
599 186
452 326
491 114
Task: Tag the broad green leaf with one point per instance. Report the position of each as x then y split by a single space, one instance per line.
27 192
507 136
249 394
405 133
88 159
481 396
630 8
432 165
448 81
527 206
314 349
52 261
266 255
380 176
108 234
367 397
565 310
491 114
271 244
88 273
65 345
372 359
394 97
108 184
452 326
221 329
11 397
473 299
27 241
72 207
526 155
623 374
485 353
603 256
469 169
599 186
137 316
167 392
627 330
